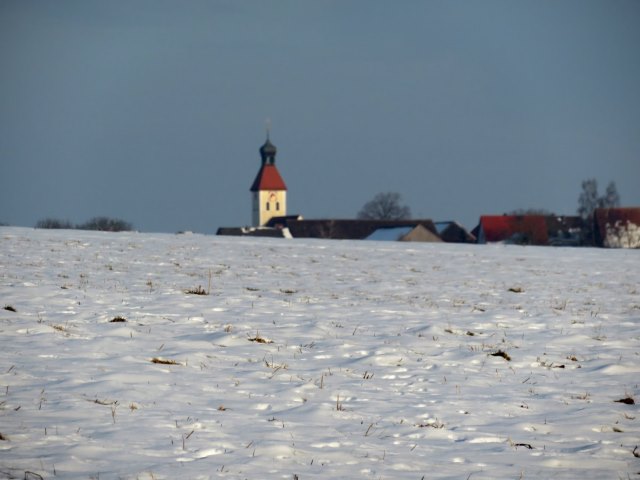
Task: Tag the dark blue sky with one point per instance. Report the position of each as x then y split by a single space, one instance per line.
153 111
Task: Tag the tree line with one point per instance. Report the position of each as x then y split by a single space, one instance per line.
389 205
383 206
102 224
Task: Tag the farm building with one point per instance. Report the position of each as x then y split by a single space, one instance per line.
407 233
349 229
453 232
519 229
617 227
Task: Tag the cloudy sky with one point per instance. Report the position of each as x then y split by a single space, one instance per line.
153 111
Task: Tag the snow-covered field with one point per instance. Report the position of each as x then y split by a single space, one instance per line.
315 359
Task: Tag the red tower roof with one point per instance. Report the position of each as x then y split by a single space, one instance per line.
268 178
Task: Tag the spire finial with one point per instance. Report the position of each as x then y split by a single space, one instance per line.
268 150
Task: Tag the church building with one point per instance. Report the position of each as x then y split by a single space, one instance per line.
268 192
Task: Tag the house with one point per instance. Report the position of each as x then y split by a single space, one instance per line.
453 232
566 231
408 233
254 232
555 230
617 227
518 229
282 221
349 229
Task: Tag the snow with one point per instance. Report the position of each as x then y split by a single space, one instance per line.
314 359
622 235
390 233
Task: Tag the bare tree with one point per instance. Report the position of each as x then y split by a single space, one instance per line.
385 206
611 197
589 199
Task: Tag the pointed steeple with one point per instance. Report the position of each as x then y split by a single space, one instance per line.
268 150
268 191
268 177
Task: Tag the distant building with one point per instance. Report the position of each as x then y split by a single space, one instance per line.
408 233
268 191
453 232
566 231
520 229
254 232
338 229
617 227
270 219
530 230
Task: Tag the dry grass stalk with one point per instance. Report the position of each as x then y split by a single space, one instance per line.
197 291
437 424
526 445
59 328
259 339
502 354
163 361
32 475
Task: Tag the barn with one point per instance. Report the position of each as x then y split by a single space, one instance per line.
617 227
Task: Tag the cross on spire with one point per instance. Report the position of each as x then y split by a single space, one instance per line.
267 123
268 150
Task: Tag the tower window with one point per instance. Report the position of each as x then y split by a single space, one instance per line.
278 206
267 206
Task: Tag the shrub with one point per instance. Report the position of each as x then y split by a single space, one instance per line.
106 224
53 223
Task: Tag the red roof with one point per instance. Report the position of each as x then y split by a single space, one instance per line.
530 229
268 178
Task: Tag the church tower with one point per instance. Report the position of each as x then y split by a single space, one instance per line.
268 192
